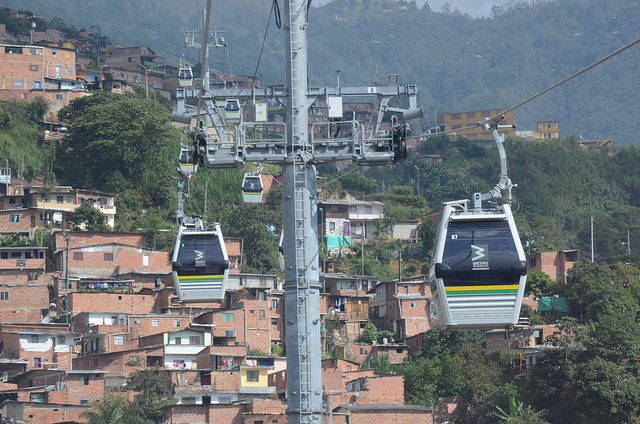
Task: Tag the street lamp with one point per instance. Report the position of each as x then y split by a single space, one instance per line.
418 178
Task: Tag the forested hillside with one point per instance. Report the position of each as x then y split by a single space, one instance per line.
458 63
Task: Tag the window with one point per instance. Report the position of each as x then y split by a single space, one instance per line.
253 376
33 67
86 380
33 52
13 50
33 338
108 256
261 314
332 226
4 295
136 321
59 199
414 304
194 340
229 333
38 397
32 275
176 323
37 362
84 402
69 199
274 321
118 340
77 256
145 260
14 217
68 70
178 340
154 322
58 96
274 303
227 317
61 340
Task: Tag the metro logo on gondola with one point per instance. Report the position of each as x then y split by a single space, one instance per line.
478 262
200 258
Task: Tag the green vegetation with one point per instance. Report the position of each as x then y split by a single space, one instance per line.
153 392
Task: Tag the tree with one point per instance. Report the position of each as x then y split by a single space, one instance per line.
121 144
88 218
539 283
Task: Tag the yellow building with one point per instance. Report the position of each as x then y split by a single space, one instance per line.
546 130
465 124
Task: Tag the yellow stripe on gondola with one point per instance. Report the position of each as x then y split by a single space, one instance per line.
199 277
256 193
500 287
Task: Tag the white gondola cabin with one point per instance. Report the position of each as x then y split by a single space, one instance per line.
478 275
188 167
252 188
200 264
232 109
185 76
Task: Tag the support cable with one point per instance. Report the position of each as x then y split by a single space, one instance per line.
535 96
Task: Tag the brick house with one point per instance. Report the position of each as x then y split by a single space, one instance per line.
31 71
40 345
397 353
249 411
383 414
526 341
345 221
404 306
24 293
30 208
108 262
348 301
36 412
74 387
221 386
554 264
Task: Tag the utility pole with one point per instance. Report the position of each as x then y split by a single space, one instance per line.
592 251
66 237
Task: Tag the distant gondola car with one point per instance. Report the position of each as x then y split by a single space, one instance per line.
185 76
187 165
200 264
479 272
252 188
232 108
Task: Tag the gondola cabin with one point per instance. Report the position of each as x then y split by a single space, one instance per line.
200 264
186 161
232 109
479 271
185 76
252 188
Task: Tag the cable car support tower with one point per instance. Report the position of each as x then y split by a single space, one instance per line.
219 145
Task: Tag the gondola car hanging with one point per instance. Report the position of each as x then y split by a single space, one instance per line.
252 188
200 263
478 272
185 75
